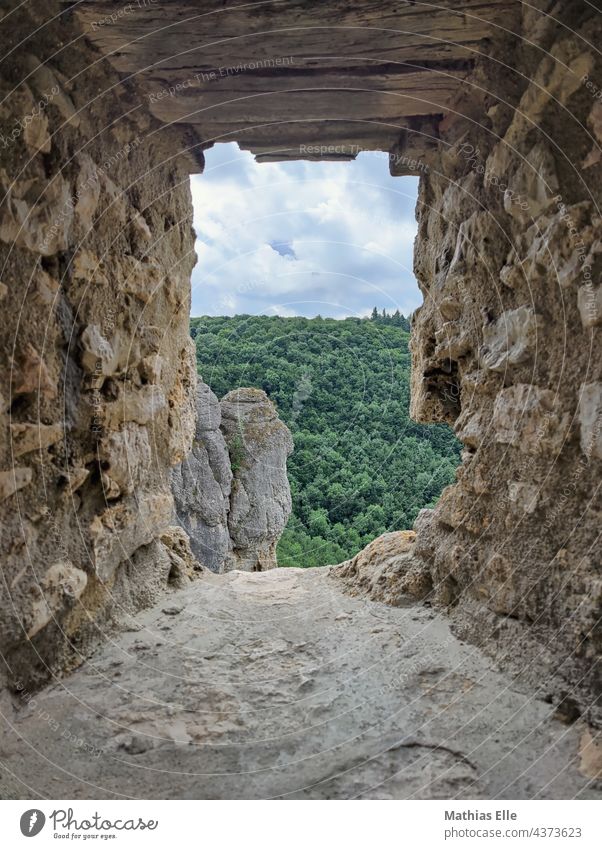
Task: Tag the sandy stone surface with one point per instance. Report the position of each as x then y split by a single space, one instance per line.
276 684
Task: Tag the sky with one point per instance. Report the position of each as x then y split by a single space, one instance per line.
302 238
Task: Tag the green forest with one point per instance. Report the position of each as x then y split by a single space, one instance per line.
360 466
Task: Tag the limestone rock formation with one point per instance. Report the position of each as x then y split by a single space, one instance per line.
231 493
260 502
201 485
96 368
386 570
506 349
378 75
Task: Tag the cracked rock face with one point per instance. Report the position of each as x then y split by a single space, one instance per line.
201 485
96 364
506 349
231 493
260 501
386 570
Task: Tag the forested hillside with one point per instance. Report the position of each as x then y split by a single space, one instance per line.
360 466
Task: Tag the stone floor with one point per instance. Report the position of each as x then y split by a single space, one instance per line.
264 685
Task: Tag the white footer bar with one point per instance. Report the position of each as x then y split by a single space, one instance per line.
302 825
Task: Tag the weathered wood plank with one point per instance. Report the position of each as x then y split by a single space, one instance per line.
226 67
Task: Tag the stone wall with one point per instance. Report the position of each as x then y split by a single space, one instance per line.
507 349
97 366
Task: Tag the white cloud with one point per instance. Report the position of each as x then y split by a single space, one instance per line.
302 238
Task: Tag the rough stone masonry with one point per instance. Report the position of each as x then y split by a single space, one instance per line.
499 104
